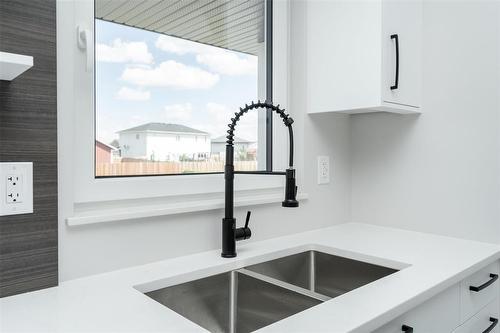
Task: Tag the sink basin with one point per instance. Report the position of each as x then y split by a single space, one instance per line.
233 302
250 298
322 273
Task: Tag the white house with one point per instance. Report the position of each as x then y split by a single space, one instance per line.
164 142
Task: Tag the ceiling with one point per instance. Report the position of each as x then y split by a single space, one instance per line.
231 24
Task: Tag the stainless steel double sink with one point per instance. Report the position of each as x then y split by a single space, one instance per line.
250 298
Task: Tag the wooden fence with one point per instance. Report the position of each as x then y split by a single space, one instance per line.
155 168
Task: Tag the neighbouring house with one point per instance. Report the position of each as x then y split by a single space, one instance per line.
241 147
115 154
103 152
164 142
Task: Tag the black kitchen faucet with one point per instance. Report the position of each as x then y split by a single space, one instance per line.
231 234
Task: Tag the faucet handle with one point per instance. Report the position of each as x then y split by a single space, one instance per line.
247 219
245 232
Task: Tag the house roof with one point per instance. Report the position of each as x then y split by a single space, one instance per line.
199 21
163 127
97 142
222 139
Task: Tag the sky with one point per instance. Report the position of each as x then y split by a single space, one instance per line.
142 77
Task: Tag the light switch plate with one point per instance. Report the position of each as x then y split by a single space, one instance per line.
323 169
16 188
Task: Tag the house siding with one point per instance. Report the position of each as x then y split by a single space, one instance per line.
159 146
102 153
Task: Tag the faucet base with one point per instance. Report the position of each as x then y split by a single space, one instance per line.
228 238
290 203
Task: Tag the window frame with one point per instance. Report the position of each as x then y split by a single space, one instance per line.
77 104
268 138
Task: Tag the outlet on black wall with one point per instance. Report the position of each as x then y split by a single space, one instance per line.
28 132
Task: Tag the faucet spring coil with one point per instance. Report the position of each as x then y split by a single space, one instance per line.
287 120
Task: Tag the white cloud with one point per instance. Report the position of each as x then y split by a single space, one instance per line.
217 60
121 52
180 46
171 74
129 94
228 63
179 112
219 112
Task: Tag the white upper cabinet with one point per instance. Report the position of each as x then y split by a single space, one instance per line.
364 56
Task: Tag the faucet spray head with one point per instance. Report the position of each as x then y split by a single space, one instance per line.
290 190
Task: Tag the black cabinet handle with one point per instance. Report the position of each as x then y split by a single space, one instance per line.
494 322
396 80
407 329
493 278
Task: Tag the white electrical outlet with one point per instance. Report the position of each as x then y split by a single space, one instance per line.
16 188
323 169
14 185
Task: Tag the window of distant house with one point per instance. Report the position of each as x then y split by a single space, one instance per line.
166 69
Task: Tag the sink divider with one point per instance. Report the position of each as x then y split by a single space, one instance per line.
312 271
282 284
233 301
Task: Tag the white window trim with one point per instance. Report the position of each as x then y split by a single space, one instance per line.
75 99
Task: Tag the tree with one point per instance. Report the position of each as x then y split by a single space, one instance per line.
241 154
115 143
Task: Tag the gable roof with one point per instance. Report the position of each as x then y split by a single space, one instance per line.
163 127
222 139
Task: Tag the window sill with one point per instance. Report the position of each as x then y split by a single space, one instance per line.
127 212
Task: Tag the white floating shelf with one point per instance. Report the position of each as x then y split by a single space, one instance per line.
12 65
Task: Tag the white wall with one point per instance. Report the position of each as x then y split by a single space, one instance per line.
98 248
163 145
439 172
135 147
104 247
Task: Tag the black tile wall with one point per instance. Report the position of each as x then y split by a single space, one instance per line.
28 132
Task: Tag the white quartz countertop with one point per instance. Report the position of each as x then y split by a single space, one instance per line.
111 302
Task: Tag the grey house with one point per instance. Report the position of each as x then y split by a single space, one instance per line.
218 146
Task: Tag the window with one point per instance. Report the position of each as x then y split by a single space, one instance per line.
166 69
76 107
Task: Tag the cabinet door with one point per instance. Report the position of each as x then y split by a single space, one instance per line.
473 301
403 21
484 321
343 54
440 314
